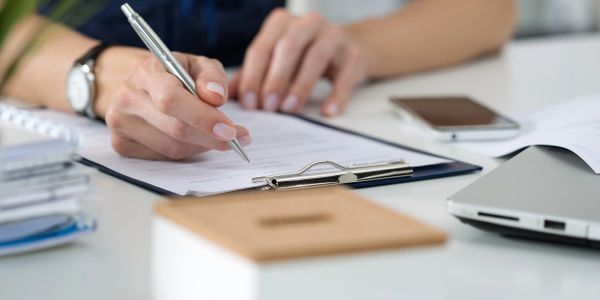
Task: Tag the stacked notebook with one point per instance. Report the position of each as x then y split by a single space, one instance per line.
40 192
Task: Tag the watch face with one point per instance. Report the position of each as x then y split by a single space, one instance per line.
78 89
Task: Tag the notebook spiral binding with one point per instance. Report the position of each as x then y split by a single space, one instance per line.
28 121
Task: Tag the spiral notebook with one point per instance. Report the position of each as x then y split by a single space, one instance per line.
286 148
41 186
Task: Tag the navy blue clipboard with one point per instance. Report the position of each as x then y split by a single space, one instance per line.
452 168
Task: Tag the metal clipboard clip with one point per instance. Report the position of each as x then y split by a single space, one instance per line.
342 175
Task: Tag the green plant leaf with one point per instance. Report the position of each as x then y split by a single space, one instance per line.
71 13
11 13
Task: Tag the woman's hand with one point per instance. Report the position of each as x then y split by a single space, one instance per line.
289 56
152 116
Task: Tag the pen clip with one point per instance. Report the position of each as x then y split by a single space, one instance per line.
342 175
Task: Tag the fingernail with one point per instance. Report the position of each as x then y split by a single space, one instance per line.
224 131
249 100
332 109
290 103
216 87
271 102
245 140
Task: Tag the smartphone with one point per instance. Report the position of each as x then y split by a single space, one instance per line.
456 118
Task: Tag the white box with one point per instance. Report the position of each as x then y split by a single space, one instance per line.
187 264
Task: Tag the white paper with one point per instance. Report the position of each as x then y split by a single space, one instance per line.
280 144
573 125
66 205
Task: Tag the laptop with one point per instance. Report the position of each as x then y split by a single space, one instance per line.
543 193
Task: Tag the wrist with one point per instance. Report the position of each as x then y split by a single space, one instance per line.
113 67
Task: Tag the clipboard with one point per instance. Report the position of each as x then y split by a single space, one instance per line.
350 175
452 168
340 175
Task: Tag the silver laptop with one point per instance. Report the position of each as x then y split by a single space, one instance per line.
542 193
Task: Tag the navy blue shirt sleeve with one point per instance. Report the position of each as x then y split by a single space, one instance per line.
220 29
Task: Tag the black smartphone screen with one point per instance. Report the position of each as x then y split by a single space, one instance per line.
452 112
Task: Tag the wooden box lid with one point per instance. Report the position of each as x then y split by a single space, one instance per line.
266 226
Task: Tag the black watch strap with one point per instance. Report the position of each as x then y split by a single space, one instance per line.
89 58
92 53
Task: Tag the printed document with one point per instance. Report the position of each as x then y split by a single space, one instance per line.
573 125
280 144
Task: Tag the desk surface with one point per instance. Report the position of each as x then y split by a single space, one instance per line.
114 262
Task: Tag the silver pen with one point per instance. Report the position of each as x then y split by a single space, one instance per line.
160 50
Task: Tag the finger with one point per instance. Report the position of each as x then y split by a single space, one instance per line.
124 117
170 98
130 148
258 56
349 71
233 85
171 126
315 62
286 56
126 127
243 136
343 84
183 132
150 137
188 142
211 80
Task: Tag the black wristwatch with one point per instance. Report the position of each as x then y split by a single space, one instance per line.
81 82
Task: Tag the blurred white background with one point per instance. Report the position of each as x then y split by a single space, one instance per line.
536 17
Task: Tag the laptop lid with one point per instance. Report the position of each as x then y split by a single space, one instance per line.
543 192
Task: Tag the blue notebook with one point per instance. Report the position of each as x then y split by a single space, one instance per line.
43 232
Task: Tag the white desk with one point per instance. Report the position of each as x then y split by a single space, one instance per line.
114 262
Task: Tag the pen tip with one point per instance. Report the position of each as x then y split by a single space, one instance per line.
235 145
244 156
